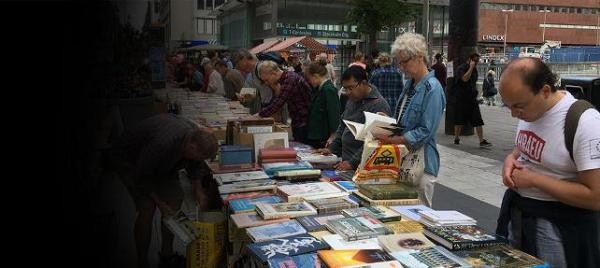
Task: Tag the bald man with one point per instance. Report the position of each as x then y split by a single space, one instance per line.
551 208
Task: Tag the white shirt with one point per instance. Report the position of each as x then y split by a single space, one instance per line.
542 145
215 84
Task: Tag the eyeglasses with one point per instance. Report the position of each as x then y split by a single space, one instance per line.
402 62
350 87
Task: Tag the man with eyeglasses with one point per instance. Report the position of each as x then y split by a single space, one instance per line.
361 97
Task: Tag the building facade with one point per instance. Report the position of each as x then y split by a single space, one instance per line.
519 24
189 22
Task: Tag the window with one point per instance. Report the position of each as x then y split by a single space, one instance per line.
517 7
310 26
319 27
200 26
564 10
209 26
525 8
579 11
266 26
200 4
219 2
353 28
338 28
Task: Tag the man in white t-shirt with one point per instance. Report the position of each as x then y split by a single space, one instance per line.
551 208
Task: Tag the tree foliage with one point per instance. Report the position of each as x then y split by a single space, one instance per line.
371 17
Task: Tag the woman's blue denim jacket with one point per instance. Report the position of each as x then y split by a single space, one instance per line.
422 118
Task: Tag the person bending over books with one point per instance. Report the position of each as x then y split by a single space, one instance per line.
148 158
419 109
552 206
361 97
324 116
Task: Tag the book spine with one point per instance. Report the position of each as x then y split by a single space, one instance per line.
474 245
395 202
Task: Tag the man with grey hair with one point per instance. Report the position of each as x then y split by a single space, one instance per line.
291 89
387 79
247 64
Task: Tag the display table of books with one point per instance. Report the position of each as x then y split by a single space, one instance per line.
284 215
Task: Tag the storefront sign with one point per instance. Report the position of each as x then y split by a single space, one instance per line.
492 37
316 33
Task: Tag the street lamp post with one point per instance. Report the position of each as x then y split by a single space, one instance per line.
505 11
545 11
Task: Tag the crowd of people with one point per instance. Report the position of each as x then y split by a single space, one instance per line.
555 191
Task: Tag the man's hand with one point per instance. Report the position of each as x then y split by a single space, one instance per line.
510 164
344 165
246 98
524 178
330 140
323 151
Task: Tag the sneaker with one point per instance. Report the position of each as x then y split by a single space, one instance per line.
456 141
485 143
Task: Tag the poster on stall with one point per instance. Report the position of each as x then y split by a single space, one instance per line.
450 69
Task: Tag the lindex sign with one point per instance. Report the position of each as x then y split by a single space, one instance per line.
492 37
316 33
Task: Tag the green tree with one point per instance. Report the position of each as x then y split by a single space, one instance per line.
371 17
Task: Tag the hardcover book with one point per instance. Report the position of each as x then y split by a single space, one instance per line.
435 256
346 186
275 230
248 204
317 222
247 186
330 205
299 261
251 219
445 218
462 237
284 210
411 212
388 191
271 168
499 256
404 226
336 242
403 242
287 246
226 198
240 176
350 258
368 202
297 192
358 228
381 213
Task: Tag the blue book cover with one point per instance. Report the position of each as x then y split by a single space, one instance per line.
300 261
271 168
247 204
285 247
347 186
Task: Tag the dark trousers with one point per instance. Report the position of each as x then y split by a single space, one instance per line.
300 134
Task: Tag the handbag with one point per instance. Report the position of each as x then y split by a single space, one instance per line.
412 167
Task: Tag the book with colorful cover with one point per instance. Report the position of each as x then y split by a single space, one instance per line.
271 168
462 237
287 246
411 212
298 261
240 176
405 241
336 242
251 219
381 213
317 222
367 202
357 228
285 210
499 256
247 186
404 226
275 230
347 186
433 257
248 204
331 205
388 191
233 196
349 258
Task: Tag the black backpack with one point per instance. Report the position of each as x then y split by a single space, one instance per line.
572 121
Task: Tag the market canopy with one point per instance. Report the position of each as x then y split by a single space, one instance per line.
205 47
264 46
306 42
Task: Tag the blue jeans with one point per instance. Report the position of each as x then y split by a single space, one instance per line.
548 242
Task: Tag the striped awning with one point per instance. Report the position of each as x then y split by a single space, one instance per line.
308 42
263 46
